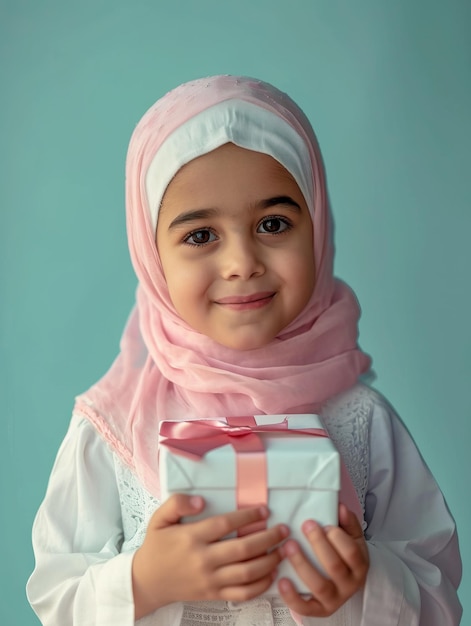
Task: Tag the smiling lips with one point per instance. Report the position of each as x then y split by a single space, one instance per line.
242 303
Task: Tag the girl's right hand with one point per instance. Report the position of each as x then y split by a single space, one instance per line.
188 562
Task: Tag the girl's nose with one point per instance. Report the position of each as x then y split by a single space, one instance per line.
241 259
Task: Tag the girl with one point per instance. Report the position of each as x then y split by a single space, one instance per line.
237 313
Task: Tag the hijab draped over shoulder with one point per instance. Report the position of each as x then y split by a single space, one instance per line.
165 369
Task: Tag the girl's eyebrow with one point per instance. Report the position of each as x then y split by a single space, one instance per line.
191 216
203 214
266 204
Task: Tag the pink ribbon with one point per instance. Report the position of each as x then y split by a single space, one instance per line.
193 439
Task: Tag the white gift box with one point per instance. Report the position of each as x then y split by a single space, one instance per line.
303 479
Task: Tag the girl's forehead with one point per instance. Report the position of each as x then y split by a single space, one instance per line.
232 156
229 171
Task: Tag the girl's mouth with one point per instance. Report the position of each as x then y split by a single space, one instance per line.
252 301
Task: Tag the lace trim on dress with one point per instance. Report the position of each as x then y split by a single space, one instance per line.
257 612
347 419
137 506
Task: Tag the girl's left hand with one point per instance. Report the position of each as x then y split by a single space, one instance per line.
342 552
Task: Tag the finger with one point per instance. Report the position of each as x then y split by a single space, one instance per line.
320 586
349 522
172 510
352 552
297 603
242 593
325 548
219 526
247 572
247 547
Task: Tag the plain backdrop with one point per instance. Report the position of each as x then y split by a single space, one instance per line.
387 86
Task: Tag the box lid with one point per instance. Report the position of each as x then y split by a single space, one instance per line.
293 461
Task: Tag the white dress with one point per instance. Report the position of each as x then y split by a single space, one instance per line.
95 513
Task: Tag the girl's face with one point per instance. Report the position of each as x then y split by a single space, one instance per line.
234 236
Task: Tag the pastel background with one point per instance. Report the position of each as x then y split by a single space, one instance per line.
387 86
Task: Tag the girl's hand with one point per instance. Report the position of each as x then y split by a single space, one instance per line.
343 554
184 562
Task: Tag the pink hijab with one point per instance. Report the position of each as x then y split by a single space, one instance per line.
165 369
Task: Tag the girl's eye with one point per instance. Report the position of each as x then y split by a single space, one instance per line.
200 237
273 225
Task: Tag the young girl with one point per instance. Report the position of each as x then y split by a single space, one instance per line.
237 313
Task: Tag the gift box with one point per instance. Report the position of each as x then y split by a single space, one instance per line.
284 461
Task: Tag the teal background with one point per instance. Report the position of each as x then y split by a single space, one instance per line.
387 86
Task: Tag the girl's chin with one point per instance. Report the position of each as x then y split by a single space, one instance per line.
244 343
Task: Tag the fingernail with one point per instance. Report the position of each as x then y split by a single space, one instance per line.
290 548
310 525
263 511
196 502
284 585
284 530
